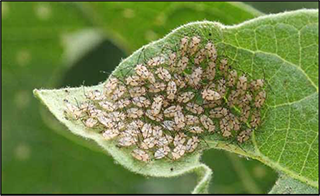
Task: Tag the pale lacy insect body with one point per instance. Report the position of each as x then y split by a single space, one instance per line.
164 107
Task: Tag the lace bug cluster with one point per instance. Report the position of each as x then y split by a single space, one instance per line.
163 108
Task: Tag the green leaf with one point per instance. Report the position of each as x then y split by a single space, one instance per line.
287 185
282 48
37 53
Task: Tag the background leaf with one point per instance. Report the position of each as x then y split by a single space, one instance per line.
286 185
35 55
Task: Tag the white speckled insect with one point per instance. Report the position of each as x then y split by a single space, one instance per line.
207 123
95 95
170 111
179 81
179 119
185 97
162 141
184 45
225 127
224 67
163 74
200 56
245 113
137 91
179 139
141 102
210 95
157 132
171 90
135 113
260 99
107 122
182 64
122 103
134 81
178 152
72 110
244 135
108 106
169 125
156 105
157 117
142 71
195 129
242 84
117 94
127 141
221 89
157 87
218 112
210 70
90 122
110 134
194 108
140 155
192 144
147 130
232 78
162 152
155 61
192 120
211 51
172 59
233 98
255 119
148 143
195 77
256 84
110 85
116 116
193 47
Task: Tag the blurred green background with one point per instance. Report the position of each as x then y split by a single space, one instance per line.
52 45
